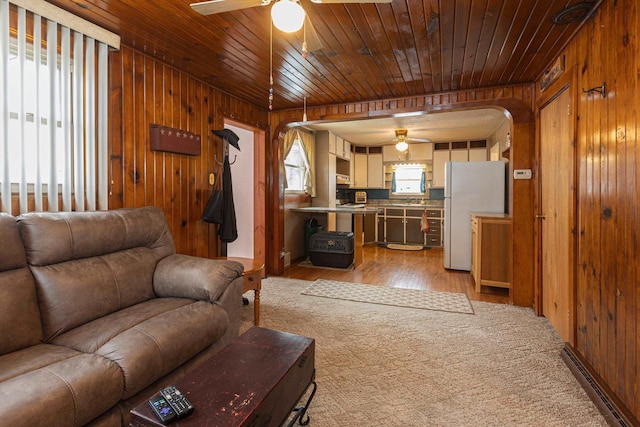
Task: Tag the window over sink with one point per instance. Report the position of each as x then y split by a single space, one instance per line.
408 179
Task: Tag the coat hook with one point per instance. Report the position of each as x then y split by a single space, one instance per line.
225 150
602 90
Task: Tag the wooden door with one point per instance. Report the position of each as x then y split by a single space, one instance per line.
557 214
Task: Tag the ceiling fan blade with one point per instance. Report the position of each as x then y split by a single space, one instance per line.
351 1
419 139
219 6
312 38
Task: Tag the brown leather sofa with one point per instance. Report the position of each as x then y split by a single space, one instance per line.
97 312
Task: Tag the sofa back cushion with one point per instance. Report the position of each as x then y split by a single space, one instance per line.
19 316
89 264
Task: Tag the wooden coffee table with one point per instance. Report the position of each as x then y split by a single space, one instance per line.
257 380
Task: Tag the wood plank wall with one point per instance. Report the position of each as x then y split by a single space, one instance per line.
608 338
145 91
518 100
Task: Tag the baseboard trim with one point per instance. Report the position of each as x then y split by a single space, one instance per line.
613 413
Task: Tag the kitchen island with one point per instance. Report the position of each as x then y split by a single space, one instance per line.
358 214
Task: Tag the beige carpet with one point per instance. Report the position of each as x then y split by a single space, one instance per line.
412 298
380 365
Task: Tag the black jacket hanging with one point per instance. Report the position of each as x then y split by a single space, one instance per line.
228 231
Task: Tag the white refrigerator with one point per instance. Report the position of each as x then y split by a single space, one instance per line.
469 187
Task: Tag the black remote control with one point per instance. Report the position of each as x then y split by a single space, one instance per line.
163 410
179 403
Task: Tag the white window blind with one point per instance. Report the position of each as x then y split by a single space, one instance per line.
53 110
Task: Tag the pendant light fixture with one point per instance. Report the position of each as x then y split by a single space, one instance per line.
287 15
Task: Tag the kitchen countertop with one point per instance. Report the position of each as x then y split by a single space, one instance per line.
337 209
427 204
490 215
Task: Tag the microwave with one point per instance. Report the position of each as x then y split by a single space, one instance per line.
360 197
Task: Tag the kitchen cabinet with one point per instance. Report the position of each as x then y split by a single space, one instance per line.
403 225
375 169
420 152
394 230
440 157
434 236
360 175
390 154
412 230
490 250
478 151
478 155
331 141
368 170
417 152
458 151
342 148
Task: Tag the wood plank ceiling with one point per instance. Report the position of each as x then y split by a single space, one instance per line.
369 51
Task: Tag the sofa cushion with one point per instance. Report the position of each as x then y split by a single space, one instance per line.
69 297
89 264
69 392
89 337
19 314
151 339
31 358
51 238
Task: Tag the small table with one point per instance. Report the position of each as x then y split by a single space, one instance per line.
257 380
252 280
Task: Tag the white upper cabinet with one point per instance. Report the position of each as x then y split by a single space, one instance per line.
390 154
343 148
440 157
332 142
420 151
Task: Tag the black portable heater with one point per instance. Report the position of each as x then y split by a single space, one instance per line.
331 249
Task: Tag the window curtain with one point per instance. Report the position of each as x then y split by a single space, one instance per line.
423 182
289 138
59 119
308 144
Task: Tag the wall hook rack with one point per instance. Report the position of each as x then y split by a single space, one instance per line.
602 90
225 151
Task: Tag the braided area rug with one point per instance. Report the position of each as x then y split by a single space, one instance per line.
399 297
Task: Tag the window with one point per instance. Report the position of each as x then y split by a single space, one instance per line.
409 179
53 111
296 166
32 97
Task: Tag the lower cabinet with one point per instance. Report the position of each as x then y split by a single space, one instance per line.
404 225
490 250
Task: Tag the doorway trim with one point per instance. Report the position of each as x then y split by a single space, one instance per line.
566 82
520 193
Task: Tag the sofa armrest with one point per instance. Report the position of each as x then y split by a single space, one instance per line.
184 276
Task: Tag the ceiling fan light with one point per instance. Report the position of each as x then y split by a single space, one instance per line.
287 16
402 146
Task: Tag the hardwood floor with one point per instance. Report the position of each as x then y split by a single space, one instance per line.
402 269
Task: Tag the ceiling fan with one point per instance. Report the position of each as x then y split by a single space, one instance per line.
286 15
401 140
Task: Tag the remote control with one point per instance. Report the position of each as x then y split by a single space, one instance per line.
179 403
162 409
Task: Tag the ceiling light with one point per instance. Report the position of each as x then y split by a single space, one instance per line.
287 15
402 145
